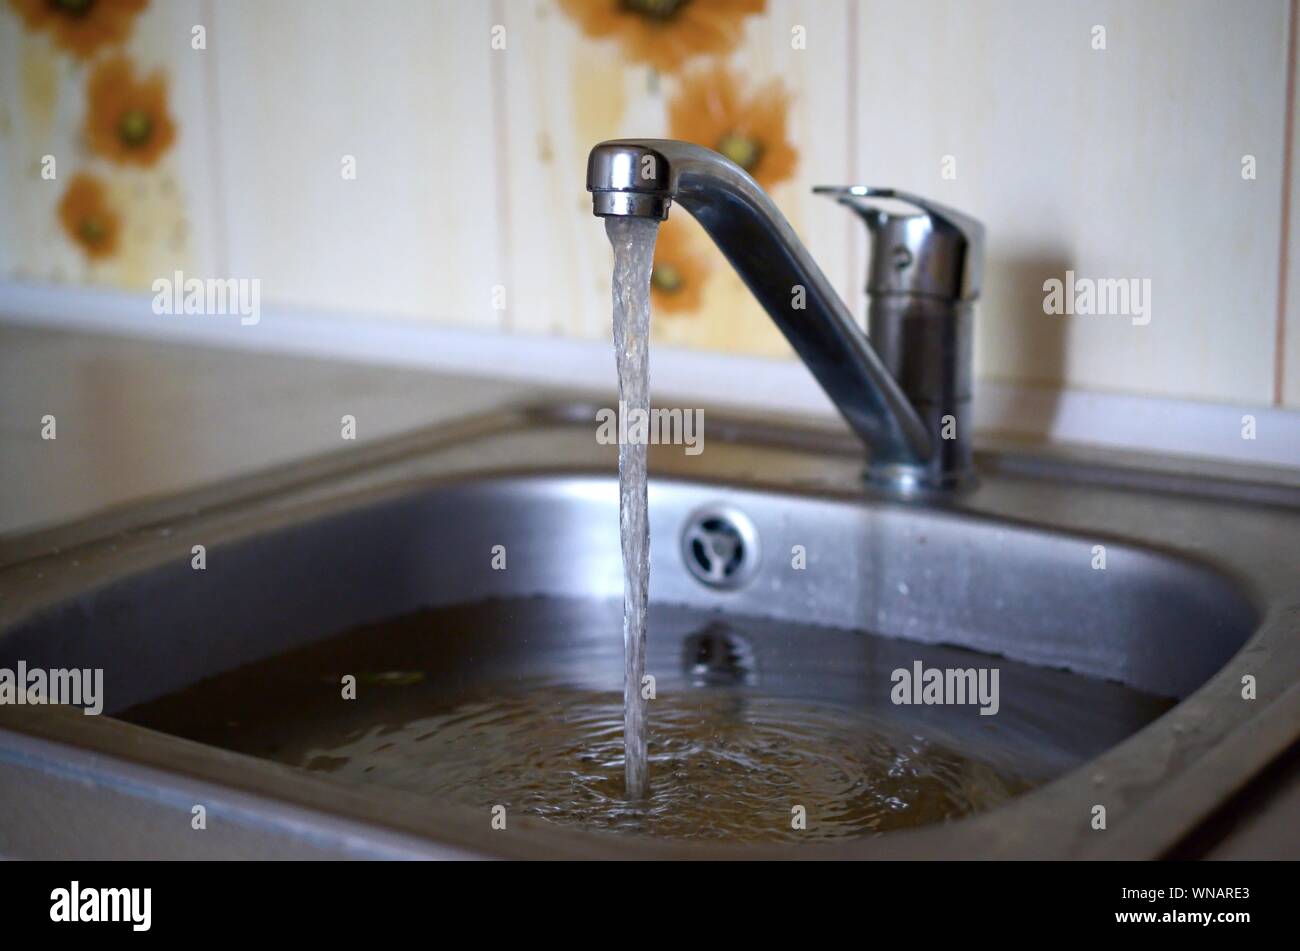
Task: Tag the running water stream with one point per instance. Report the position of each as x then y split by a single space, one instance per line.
633 240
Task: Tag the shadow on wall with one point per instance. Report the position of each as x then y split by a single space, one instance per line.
1030 344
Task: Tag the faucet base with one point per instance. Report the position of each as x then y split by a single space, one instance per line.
919 482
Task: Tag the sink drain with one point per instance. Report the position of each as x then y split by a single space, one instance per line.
720 547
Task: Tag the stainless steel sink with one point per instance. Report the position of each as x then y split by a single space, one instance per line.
1198 591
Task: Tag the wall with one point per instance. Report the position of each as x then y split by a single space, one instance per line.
467 206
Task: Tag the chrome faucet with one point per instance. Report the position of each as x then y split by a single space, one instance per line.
908 399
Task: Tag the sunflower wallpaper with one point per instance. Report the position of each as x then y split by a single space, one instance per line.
420 163
89 109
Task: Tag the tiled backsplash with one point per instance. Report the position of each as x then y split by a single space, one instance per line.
1114 140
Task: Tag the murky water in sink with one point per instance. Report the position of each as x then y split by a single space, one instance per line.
724 766
519 703
633 240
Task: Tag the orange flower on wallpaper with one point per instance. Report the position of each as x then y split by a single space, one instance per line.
88 218
680 269
81 26
711 110
664 33
126 119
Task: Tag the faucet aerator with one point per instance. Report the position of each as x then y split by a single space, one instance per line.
629 179
616 204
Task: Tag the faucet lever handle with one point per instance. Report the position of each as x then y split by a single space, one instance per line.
937 253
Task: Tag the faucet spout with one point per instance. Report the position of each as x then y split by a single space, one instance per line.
643 177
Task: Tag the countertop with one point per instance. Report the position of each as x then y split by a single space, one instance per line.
135 419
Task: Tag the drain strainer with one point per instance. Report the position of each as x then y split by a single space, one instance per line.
720 547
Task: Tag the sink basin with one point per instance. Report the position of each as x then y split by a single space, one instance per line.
1124 602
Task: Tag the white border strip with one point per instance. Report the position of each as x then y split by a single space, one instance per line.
1147 424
